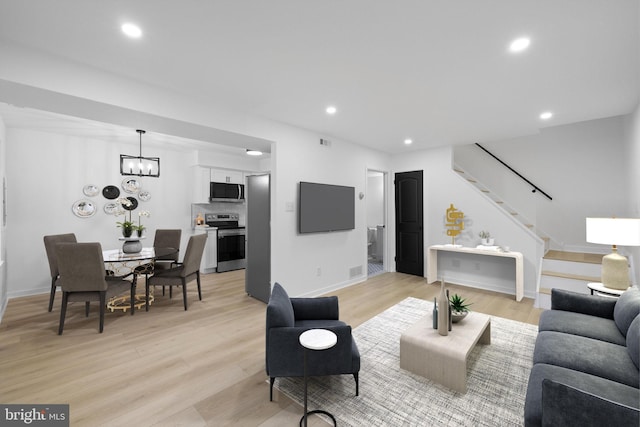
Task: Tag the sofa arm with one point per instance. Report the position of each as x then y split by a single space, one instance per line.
322 308
563 405
285 354
592 305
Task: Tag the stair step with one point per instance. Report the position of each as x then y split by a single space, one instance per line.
571 276
472 180
574 257
545 291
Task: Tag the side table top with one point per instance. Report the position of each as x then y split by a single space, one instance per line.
318 339
599 287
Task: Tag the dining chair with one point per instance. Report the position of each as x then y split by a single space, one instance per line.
164 238
82 278
181 273
50 243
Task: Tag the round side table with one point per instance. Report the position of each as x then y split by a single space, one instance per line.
602 290
315 339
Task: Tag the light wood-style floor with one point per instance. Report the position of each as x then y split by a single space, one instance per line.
202 367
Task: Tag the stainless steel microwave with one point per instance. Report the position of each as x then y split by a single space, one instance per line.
225 192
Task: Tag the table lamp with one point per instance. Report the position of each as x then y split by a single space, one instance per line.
614 231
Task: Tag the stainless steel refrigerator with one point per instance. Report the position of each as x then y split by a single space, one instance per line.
258 251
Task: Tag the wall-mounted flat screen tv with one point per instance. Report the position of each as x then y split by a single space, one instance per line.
324 207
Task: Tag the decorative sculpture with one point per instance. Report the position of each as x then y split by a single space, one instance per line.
454 223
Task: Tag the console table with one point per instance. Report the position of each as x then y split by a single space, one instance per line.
432 262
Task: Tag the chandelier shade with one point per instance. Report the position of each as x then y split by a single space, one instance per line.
139 165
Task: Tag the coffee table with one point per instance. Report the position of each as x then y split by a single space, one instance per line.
443 359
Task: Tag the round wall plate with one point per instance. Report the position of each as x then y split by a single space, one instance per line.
110 192
131 185
91 190
133 205
84 209
144 195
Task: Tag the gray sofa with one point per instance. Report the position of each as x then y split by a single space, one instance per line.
585 362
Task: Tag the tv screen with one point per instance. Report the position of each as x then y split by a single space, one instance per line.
324 207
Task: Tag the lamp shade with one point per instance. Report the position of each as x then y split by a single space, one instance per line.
614 231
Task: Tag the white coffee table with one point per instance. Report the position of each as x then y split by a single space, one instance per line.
443 359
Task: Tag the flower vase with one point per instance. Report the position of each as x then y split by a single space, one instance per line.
139 232
443 312
127 231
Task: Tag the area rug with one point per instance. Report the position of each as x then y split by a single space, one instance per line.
497 376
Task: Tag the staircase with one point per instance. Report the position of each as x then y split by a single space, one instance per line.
567 270
559 269
503 205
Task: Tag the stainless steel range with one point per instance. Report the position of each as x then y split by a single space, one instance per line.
231 240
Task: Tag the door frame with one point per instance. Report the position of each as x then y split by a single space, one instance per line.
385 217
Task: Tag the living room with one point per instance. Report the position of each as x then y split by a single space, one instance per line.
46 170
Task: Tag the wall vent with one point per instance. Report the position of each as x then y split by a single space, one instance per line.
355 272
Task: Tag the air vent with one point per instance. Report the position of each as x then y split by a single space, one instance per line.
355 272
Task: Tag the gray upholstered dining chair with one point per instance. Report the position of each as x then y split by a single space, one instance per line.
181 273
82 278
164 238
50 243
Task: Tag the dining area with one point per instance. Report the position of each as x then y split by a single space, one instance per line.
120 279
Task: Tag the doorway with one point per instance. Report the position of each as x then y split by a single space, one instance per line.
375 222
409 223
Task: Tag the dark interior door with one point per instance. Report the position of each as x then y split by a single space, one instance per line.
409 223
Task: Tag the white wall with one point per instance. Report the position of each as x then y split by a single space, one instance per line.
298 156
442 187
374 197
632 155
3 230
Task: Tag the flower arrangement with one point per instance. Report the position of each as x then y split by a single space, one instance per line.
484 234
140 228
126 225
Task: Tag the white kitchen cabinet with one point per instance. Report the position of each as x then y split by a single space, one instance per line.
210 256
201 180
228 176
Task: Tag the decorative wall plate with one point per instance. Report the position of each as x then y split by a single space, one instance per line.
134 204
131 185
110 192
144 195
91 190
110 208
84 208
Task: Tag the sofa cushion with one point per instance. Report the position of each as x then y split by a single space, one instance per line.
626 309
633 341
599 358
581 324
604 388
279 309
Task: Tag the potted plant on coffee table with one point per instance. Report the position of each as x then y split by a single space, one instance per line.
459 308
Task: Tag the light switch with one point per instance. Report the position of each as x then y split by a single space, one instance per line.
288 207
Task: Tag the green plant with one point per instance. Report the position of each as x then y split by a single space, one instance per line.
484 234
458 304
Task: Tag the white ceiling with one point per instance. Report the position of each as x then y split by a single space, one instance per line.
435 71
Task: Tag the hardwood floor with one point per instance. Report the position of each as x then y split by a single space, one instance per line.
202 367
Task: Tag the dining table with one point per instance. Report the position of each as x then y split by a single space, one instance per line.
121 264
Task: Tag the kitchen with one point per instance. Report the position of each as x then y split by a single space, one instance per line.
224 218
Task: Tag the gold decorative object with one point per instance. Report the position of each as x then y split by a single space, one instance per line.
454 223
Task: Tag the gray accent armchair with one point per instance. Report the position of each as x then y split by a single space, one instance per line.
287 318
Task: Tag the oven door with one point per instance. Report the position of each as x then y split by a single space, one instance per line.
231 249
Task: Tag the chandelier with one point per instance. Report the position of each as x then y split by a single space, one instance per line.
138 165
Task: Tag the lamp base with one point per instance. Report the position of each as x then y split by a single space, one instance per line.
615 271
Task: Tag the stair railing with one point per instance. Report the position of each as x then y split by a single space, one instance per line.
535 187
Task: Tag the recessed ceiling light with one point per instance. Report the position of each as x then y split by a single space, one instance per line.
546 115
331 110
132 30
408 141
254 152
518 45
